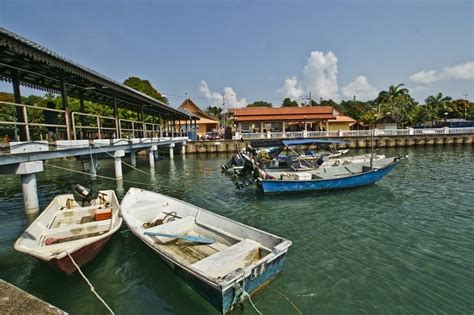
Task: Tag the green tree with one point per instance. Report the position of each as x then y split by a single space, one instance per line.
260 104
287 102
393 91
438 105
145 86
462 109
214 111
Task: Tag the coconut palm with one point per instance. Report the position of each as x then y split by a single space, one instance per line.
393 91
437 105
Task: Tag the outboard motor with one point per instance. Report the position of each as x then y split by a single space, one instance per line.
85 195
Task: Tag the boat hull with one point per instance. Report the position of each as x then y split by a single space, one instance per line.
82 256
225 300
222 299
362 179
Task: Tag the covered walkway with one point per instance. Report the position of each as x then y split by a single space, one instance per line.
25 63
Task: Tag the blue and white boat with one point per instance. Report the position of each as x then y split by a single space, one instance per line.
223 260
328 178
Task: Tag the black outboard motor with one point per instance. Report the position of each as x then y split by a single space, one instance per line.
85 195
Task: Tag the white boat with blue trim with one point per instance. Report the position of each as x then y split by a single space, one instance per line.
220 258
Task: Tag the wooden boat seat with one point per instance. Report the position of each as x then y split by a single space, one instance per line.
222 263
178 226
78 229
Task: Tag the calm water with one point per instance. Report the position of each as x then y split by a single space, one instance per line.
404 245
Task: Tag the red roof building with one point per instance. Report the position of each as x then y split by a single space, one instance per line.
315 118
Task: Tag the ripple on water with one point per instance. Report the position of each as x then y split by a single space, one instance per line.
403 245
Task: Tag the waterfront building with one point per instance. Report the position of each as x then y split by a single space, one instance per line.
288 119
206 123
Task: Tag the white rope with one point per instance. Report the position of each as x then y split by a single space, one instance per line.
100 176
251 302
129 165
90 284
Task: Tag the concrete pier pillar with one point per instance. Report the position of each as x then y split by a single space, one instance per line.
183 148
156 154
30 193
410 142
171 150
458 140
400 142
92 168
118 164
360 143
390 143
380 142
420 141
439 140
27 171
429 141
151 155
448 140
133 158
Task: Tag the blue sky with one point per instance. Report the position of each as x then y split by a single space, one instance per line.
261 50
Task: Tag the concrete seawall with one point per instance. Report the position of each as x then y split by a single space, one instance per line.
226 146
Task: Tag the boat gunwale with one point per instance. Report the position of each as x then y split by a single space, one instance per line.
278 250
393 163
74 245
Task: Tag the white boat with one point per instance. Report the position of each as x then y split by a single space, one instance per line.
220 258
66 227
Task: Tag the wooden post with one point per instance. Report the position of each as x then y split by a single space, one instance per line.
20 117
67 117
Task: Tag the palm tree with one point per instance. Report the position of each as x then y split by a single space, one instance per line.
437 105
393 91
214 111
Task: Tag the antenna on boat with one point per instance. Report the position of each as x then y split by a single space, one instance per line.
372 149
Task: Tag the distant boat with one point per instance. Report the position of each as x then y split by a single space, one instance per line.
327 178
67 227
217 256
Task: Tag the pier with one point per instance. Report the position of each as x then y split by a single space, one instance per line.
30 139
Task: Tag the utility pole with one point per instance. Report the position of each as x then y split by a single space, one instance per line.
465 106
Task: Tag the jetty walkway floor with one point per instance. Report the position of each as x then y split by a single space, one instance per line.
16 301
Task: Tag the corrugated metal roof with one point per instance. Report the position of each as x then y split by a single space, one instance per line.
28 48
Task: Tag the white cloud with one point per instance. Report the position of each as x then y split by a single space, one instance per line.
230 96
361 88
291 88
464 71
425 77
320 78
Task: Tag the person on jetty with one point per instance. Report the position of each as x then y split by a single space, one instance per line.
51 118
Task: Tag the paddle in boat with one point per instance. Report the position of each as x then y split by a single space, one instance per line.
220 258
80 229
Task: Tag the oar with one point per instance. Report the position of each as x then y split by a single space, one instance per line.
195 239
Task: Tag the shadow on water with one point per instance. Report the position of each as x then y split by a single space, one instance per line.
402 245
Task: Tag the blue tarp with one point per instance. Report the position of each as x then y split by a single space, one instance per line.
311 141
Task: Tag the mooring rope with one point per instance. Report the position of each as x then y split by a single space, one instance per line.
100 176
129 165
89 283
289 301
240 294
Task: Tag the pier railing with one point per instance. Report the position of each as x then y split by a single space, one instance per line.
101 126
30 120
353 133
